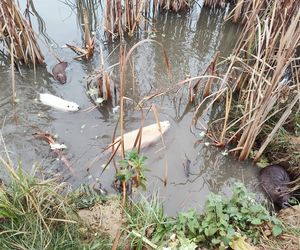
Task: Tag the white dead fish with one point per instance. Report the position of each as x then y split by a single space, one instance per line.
58 103
150 134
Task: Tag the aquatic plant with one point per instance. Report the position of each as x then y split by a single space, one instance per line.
133 169
17 35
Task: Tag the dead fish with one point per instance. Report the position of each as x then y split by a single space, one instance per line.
150 134
58 103
186 166
59 72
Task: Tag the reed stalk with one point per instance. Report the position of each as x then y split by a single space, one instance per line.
16 31
261 83
124 17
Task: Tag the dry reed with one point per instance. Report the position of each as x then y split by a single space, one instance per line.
89 41
126 16
16 31
220 3
261 83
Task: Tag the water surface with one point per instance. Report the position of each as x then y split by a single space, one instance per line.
191 40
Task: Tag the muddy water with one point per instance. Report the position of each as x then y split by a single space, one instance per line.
191 40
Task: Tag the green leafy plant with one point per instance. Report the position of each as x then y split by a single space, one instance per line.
188 223
224 221
224 218
133 169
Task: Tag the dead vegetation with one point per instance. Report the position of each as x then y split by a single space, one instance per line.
87 51
262 80
126 17
218 3
17 35
260 86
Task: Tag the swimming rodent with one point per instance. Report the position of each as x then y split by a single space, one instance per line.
274 180
59 72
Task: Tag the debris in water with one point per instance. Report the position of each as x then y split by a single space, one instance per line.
116 109
150 134
58 103
50 140
54 146
186 166
202 134
225 152
97 187
99 100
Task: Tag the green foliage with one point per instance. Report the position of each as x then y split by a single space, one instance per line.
133 169
188 223
224 218
85 197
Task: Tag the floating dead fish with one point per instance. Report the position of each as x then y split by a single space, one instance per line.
150 134
58 103
59 72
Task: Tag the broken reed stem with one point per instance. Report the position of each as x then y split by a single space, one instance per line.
13 83
122 82
18 36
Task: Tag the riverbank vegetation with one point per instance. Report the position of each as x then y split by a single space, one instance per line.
260 86
38 213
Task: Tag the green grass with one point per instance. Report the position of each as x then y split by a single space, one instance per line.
39 214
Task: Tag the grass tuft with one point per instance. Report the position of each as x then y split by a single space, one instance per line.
40 214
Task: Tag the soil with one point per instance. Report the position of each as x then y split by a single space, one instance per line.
290 217
104 217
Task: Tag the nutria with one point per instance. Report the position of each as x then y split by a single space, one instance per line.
274 180
59 72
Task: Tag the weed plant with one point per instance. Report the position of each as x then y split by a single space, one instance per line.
224 220
38 214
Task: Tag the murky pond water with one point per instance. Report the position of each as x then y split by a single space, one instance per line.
191 40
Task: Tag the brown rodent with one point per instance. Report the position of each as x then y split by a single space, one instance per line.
59 72
274 180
